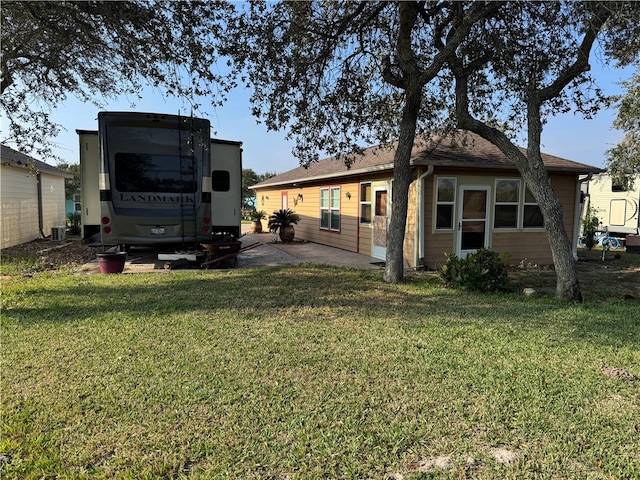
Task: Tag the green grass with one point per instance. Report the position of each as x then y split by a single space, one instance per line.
309 372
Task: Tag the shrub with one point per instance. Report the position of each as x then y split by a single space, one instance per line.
73 221
589 228
483 271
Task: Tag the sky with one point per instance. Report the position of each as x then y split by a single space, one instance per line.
568 136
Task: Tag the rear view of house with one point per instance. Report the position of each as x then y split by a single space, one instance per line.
33 199
465 195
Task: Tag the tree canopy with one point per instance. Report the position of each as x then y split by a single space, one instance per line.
337 75
623 160
96 50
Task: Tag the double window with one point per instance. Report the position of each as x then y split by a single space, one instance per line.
330 208
510 201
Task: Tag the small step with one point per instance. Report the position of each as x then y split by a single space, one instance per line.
190 255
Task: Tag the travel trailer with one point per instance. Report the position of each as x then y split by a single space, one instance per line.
155 179
617 209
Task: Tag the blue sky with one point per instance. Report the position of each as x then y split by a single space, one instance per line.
568 136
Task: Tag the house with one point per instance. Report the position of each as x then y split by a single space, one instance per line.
465 195
615 206
32 198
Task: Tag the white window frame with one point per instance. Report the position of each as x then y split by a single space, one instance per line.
331 209
451 203
364 203
515 203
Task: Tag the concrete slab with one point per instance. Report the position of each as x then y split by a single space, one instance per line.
269 251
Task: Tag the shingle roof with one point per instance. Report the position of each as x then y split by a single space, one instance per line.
9 156
465 150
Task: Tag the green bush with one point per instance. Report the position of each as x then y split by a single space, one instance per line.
483 271
589 228
73 222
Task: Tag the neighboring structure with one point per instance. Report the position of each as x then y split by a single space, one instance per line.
32 198
465 195
616 208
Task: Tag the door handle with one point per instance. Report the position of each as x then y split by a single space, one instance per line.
459 226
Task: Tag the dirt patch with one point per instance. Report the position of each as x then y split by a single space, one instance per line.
618 276
49 255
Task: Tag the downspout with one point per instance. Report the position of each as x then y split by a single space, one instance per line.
40 206
579 210
419 235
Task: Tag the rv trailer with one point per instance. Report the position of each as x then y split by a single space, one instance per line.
616 208
154 179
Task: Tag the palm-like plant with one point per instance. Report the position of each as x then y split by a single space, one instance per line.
282 221
256 217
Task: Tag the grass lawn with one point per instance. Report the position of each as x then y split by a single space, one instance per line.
311 372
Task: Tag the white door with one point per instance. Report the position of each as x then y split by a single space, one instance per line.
473 216
381 209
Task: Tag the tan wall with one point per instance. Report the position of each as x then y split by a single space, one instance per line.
20 205
529 245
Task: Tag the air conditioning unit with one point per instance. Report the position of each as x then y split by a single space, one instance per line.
57 233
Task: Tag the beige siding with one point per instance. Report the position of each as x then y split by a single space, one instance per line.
305 201
53 202
529 245
20 221
19 206
409 247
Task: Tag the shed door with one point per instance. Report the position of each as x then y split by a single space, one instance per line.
473 214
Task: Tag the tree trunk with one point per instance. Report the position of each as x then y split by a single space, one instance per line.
402 178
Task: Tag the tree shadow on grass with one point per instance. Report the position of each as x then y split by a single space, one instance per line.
305 293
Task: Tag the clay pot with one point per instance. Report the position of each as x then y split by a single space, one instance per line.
112 262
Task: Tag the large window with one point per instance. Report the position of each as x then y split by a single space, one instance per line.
531 212
365 203
507 201
161 173
330 208
445 201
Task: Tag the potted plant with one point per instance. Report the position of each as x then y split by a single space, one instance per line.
256 220
282 221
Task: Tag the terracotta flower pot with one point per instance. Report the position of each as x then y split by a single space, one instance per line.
256 226
287 233
112 262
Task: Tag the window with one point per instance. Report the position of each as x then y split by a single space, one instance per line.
507 201
365 203
77 202
155 172
532 213
330 208
220 181
445 201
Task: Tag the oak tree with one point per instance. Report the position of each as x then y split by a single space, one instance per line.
98 50
336 75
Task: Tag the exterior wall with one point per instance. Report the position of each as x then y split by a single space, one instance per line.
53 202
20 222
305 201
522 244
19 206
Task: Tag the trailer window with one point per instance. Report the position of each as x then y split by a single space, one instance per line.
220 181
141 172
